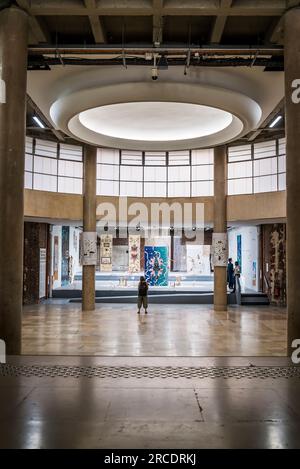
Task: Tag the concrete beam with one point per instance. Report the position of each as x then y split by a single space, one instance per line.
157 35
219 25
96 23
170 7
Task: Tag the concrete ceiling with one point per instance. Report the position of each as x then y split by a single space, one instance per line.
249 94
156 21
190 33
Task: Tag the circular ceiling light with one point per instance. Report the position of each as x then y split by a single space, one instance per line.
155 121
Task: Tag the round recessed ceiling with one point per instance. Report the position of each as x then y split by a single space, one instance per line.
155 121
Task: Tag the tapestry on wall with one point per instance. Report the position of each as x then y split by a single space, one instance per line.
89 248
106 253
65 233
219 249
239 250
55 258
156 265
198 260
134 252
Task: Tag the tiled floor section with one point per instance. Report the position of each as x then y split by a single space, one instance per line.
168 330
149 413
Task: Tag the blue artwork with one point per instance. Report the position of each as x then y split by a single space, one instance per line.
156 265
239 250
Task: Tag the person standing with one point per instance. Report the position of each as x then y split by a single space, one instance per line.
237 275
230 274
142 295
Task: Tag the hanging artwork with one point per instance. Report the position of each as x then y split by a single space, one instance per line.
55 258
65 233
134 254
239 250
254 273
42 273
219 249
106 253
156 265
89 248
197 259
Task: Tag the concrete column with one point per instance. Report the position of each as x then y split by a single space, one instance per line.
89 223
13 61
220 223
292 97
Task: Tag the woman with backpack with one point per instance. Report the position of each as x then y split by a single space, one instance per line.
142 294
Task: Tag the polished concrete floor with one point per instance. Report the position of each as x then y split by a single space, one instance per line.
68 412
168 330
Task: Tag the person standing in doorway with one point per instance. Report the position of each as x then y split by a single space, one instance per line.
230 274
142 295
237 275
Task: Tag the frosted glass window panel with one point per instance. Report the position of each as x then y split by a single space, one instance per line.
282 164
239 153
28 162
179 173
70 185
108 171
203 156
132 157
45 165
179 189
131 173
202 173
46 148
108 188
265 167
282 146
240 186
155 189
108 156
179 158
70 152
70 168
43 182
29 145
265 184
265 149
155 158
282 182
155 174
28 180
202 188
131 189
239 170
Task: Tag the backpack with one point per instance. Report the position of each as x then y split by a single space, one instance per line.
143 287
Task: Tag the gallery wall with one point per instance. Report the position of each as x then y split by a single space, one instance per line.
243 245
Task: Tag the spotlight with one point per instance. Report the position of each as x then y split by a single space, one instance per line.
194 228
154 73
138 227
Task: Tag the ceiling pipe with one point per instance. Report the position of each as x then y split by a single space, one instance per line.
169 50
